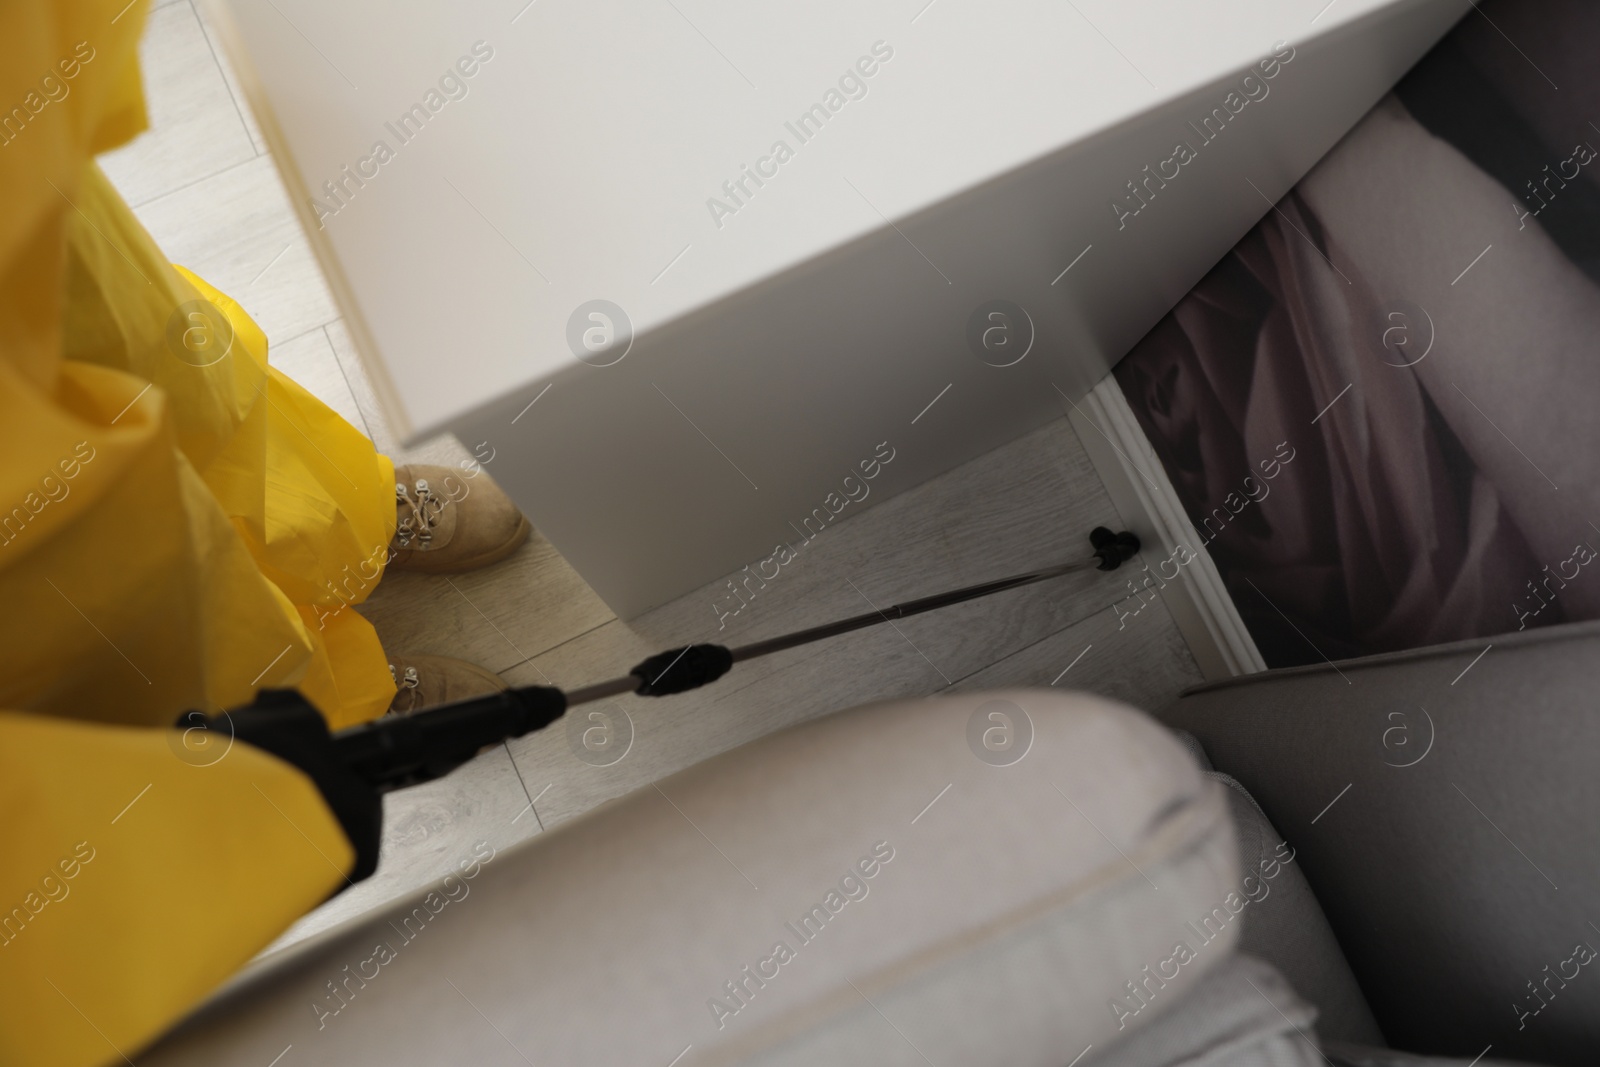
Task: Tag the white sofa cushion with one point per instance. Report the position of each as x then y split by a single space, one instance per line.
931 904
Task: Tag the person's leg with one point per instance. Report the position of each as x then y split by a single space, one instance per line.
306 495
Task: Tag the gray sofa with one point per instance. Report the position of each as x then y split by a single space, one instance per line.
1024 877
1442 805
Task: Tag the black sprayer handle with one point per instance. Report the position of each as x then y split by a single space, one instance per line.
398 750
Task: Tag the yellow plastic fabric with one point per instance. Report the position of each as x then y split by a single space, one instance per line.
171 537
134 883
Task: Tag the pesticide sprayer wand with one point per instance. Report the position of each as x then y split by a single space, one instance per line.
402 750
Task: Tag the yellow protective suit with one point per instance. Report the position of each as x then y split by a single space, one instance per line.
171 537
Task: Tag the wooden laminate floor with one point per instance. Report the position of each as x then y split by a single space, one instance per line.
202 182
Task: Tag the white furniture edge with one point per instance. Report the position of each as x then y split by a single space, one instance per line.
298 192
1149 506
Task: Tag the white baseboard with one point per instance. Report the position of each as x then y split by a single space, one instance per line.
1149 506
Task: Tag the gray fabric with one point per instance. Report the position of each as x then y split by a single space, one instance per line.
1341 1055
1242 1015
1440 877
1286 928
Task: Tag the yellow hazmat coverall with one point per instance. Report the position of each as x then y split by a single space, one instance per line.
171 538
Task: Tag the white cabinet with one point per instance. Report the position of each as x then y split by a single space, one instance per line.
686 270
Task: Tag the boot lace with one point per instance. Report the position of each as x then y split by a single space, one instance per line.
405 683
419 514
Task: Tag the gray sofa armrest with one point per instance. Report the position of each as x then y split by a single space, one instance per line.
1341 1055
1443 803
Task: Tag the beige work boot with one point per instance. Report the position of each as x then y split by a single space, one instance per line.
424 681
448 522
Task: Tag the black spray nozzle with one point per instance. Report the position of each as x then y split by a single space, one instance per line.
1113 549
679 670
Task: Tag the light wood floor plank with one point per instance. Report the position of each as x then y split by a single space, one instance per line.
309 360
496 618
1001 513
1139 660
427 830
246 116
444 449
195 130
237 231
